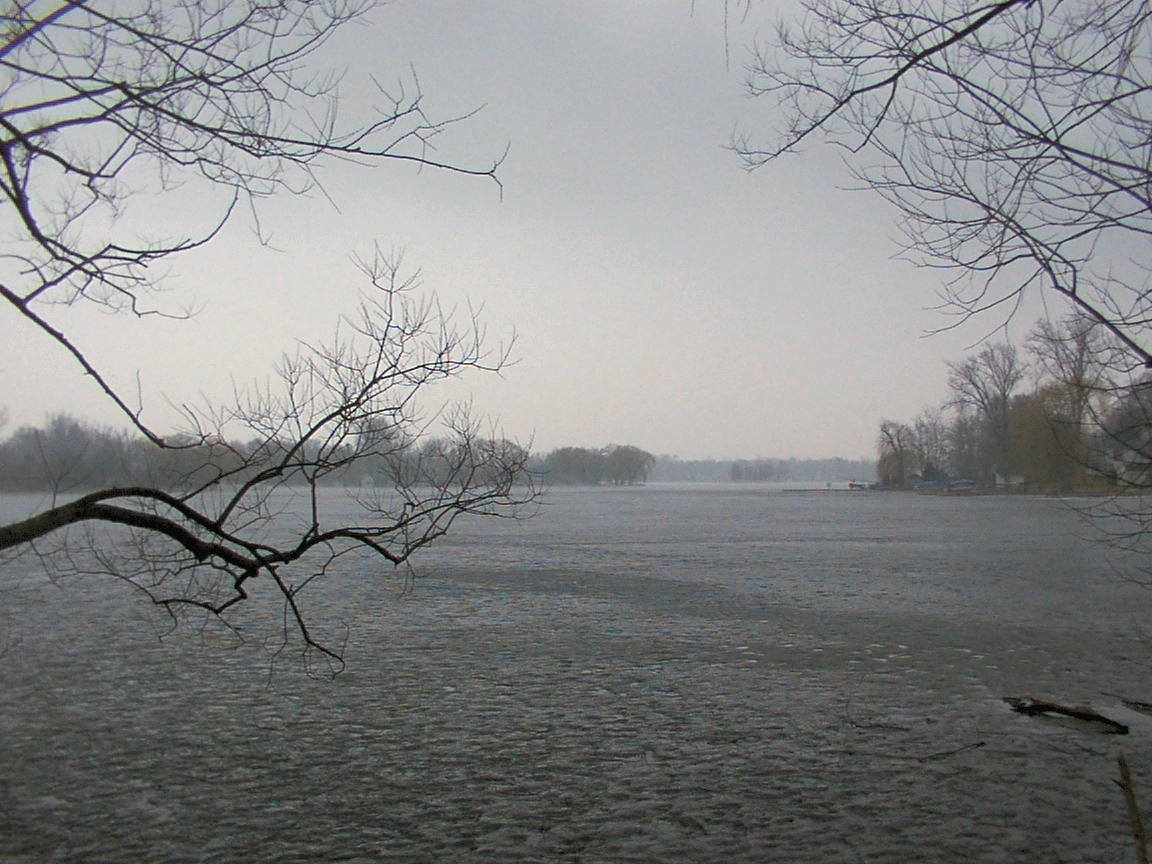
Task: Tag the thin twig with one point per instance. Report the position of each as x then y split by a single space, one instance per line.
944 754
1125 783
855 725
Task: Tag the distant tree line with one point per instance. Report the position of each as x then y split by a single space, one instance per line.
619 465
804 470
70 455
1063 414
67 454
669 469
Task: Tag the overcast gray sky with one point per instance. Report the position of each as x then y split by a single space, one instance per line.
662 296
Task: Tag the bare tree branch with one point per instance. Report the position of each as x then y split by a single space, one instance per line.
1011 136
216 92
334 458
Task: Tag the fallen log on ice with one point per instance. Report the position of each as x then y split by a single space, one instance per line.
1038 707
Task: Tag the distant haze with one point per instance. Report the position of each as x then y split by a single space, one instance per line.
662 296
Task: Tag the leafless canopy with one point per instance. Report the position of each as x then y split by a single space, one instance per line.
1011 135
100 101
986 382
105 103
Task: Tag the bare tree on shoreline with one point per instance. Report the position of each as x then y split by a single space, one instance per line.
986 383
102 102
1012 138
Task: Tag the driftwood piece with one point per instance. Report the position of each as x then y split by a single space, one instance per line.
1039 707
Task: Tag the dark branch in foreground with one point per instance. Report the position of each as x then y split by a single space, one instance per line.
276 509
1011 137
104 101
108 106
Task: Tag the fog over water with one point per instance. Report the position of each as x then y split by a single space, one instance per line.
692 673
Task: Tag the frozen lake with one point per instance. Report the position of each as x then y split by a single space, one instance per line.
662 673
